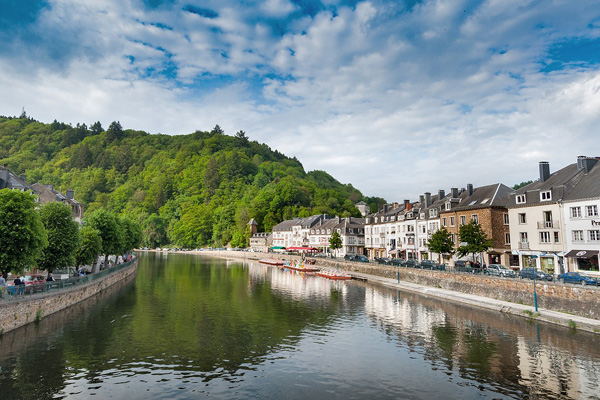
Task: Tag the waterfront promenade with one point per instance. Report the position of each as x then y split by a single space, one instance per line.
373 274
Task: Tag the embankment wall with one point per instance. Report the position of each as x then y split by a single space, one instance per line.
15 314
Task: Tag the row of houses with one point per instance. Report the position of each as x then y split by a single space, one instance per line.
552 223
45 193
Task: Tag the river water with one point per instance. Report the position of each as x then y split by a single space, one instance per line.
194 327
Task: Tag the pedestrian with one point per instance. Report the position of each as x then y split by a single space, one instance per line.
2 286
49 278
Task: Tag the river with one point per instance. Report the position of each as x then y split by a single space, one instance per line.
193 327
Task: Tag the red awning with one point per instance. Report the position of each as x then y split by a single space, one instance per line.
302 249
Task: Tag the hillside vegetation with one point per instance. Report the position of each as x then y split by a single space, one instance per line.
191 190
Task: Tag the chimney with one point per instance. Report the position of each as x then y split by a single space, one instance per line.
454 192
441 194
385 208
588 163
5 165
422 200
408 205
579 162
544 171
470 189
396 204
70 194
427 199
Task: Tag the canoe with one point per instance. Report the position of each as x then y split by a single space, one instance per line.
271 262
333 275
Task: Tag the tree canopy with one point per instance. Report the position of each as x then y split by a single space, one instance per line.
473 239
441 242
189 190
63 237
22 234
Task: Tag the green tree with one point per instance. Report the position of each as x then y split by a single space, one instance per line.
22 234
473 240
335 241
90 246
63 237
109 229
131 234
441 242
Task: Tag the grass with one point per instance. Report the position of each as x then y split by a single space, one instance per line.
572 325
39 315
531 314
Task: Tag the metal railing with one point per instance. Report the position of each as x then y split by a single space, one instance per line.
12 293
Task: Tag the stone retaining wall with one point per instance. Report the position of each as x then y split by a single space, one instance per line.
15 314
573 299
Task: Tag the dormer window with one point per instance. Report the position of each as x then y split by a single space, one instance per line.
448 206
546 196
521 199
432 212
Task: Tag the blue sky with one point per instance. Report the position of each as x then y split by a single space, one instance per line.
396 97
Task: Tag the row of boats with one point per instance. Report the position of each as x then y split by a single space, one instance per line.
296 266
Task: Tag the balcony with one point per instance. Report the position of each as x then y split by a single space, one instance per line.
523 245
548 225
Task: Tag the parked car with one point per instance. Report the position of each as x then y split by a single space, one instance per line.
429 264
349 257
411 264
396 262
500 270
530 272
34 279
576 277
382 260
361 258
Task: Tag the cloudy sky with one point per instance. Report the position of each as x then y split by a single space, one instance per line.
396 97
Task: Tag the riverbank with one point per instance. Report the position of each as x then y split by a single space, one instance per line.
470 287
17 313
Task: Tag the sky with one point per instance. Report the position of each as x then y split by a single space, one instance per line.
396 98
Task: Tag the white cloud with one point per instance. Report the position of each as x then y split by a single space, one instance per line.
396 102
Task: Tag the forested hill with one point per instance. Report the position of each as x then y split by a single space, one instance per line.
192 190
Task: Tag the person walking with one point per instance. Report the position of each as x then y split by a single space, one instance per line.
49 278
2 286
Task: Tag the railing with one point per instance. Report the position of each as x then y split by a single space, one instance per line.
547 224
11 293
523 245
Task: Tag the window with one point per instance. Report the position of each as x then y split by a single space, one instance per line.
451 221
448 206
443 221
475 218
453 238
575 212
522 219
505 219
328 231
521 199
591 211
556 237
544 237
507 238
546 196
594 235
578 236
432 212
523 237
463 220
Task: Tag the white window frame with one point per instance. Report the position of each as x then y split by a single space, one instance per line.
594 235
546 195
577 236
522 218
463 220
591 211
575 212
544 237
521 199
506 220
475 218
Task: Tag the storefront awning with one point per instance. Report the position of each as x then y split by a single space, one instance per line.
582 253
278 248
302 249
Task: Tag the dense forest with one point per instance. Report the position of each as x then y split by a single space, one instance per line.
190 190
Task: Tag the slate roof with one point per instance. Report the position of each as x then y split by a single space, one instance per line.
587 186
496 195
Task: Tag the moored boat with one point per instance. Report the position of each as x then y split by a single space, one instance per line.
271 262
299 267
333 275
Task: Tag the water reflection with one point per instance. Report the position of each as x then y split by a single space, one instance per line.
192 326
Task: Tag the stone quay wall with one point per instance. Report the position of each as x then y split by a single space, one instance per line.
579 300
15 314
